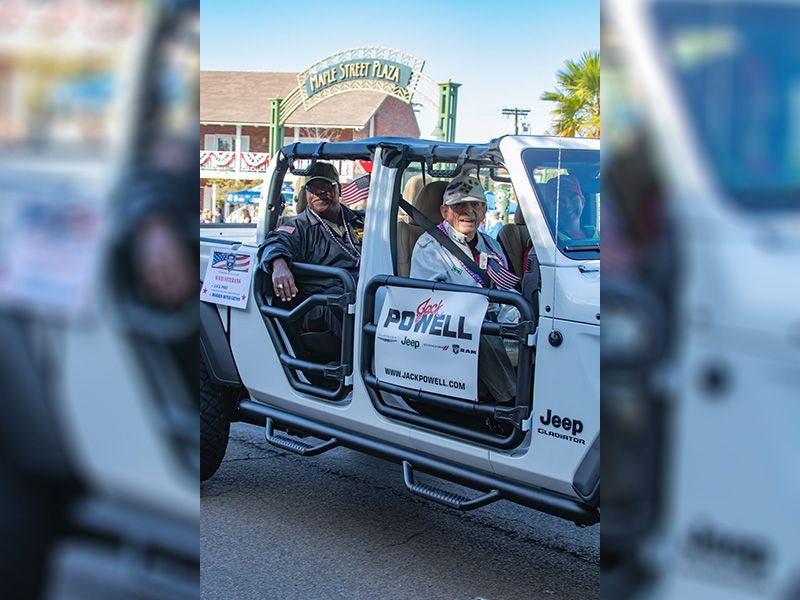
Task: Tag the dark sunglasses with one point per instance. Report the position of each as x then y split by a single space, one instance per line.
322 186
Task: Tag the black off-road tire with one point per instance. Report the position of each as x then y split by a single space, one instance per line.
215 423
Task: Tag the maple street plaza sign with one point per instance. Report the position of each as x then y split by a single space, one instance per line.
372 68
376 69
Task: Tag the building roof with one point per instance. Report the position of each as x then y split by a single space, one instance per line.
243 97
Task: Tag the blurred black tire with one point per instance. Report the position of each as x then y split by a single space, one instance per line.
215 424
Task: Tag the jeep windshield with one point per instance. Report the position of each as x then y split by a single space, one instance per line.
737 66
567 185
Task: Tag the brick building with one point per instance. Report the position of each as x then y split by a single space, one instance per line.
234 122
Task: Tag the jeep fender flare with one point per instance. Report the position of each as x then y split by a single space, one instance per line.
215 350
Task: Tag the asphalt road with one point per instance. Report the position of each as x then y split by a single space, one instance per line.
342 526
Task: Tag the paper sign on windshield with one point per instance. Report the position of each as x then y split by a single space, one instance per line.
429 341
228 277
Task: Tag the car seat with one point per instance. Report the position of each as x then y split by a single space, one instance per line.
427 202
300 199
410 192
514 238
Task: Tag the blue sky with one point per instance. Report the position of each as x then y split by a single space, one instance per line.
504 54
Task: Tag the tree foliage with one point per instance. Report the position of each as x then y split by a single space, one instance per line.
577 97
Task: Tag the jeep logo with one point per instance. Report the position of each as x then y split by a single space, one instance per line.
409 342
574 426
743 553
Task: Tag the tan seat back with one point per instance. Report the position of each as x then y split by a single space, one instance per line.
427 202
514 238
410 192
404 247
300 199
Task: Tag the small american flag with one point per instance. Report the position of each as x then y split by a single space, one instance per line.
231 262
355 191
502 277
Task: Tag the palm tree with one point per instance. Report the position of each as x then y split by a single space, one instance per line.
577 97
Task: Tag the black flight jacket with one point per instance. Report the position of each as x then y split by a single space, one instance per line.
303 239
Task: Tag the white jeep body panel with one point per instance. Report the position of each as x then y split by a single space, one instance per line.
732 470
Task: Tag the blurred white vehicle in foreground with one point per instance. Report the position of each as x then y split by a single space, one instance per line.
701 352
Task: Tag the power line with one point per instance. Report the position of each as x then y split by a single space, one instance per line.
517 112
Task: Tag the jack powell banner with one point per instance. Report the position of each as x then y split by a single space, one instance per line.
429 341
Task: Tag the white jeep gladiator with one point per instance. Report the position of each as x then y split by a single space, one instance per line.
388 386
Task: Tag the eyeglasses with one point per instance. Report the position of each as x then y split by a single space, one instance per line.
322 186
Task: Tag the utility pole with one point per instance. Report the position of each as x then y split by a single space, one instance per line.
517 112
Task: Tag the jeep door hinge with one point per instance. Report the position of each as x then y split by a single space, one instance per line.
518 331
341 302
526 424
336 373
515 415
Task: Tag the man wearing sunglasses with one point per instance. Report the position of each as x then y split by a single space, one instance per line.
325 233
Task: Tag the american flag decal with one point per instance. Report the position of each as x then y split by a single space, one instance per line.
230 261
355 191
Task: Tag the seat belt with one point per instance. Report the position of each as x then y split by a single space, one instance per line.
431 228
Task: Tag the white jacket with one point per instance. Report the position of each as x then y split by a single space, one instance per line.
433 262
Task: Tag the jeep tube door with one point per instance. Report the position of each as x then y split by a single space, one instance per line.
566 417
313 363
408 390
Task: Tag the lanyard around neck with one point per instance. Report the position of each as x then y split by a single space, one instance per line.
355 254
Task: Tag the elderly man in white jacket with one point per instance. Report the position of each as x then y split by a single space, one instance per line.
463 210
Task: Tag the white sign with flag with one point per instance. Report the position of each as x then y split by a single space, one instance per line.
428 340
228 276
51 250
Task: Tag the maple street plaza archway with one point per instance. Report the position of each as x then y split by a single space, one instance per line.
376 69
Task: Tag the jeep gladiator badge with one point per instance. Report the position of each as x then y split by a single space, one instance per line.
573 426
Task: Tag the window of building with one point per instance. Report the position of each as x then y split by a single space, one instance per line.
225 143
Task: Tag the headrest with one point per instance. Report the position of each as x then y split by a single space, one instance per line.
413 187
430 199
519 218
